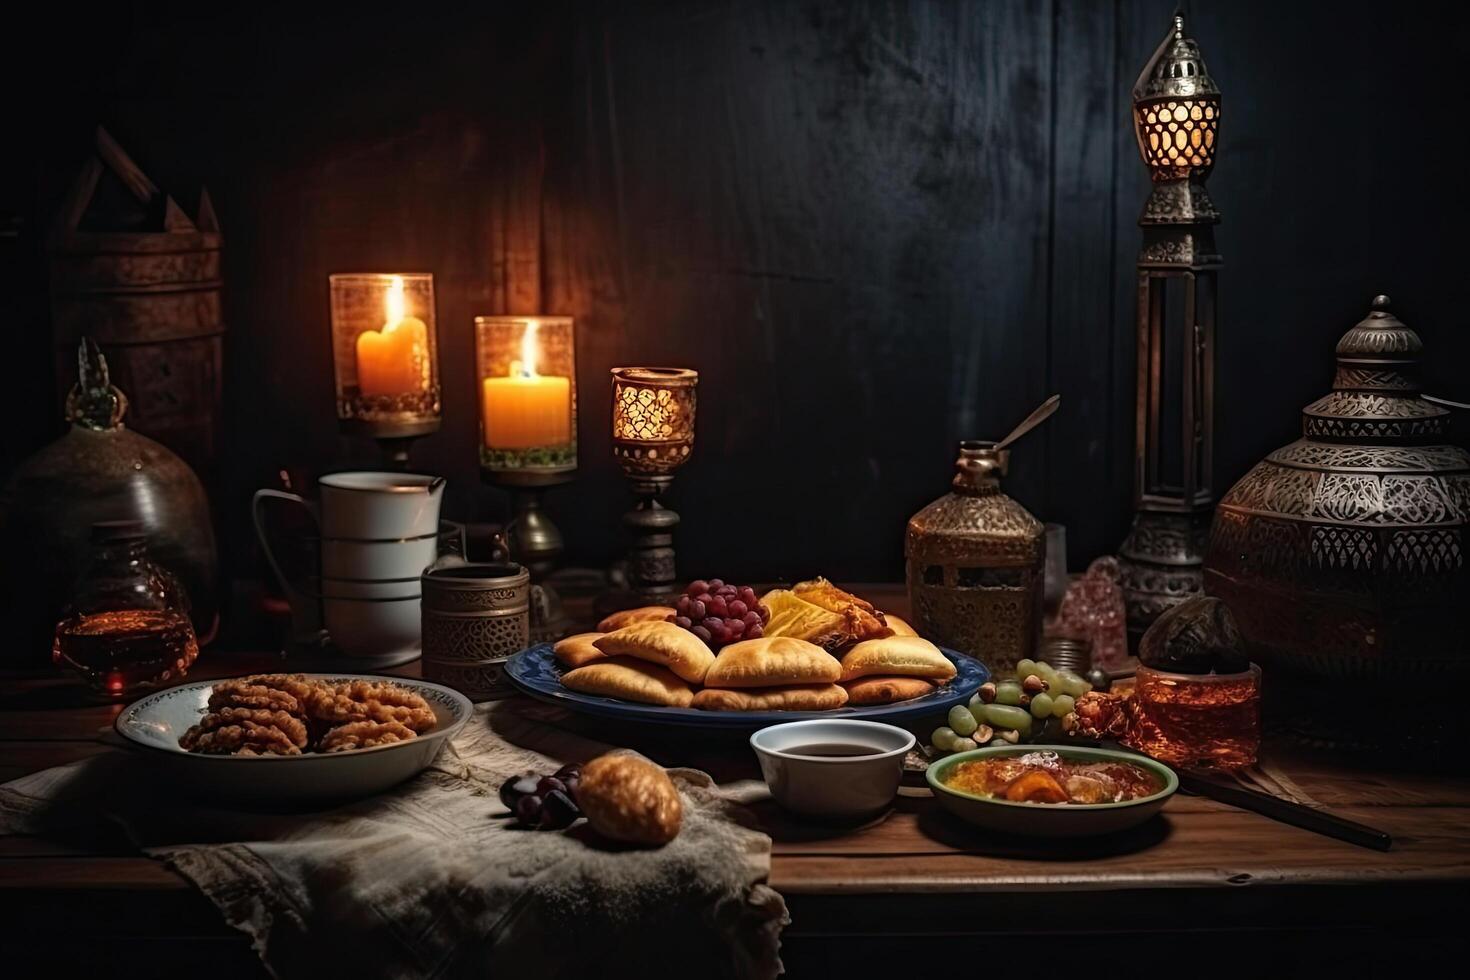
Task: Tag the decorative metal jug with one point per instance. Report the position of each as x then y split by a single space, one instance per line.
975 559
98 471
1343 555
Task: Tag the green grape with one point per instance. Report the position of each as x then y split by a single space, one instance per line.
976 703
977 711
1047 673
1070 683
943 738
961 720
1041 705
1025 668
1062 705
964 744
1008 716
1008 692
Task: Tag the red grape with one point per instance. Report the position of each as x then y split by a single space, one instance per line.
747 595
752 618
715 584
701 632
717 607
755 632
735 628
682 605
711 622
683 622
697 610
697 587
736 608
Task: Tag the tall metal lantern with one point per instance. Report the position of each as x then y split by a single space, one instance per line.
1176 117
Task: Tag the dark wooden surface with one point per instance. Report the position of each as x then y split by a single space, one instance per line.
874 894
874 227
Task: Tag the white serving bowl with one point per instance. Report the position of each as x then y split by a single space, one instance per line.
833 787
379 560
375 506
155 723
340 588
384 631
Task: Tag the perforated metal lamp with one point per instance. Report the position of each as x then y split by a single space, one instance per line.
1176 118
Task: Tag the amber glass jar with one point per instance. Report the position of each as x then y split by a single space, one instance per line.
127 627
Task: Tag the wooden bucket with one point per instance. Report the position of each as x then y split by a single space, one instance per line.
132 271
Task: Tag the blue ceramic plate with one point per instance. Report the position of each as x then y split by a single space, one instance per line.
536 672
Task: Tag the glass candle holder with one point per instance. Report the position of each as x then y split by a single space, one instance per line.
527 370
384 349
653 418
1208 720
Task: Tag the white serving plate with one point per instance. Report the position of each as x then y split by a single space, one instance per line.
154 725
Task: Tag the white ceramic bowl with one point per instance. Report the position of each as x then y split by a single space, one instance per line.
828 786
384 631
379 560
338 588
374 506
155 723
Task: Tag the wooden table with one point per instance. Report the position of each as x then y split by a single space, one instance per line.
868 898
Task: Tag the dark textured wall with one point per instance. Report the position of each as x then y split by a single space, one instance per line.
875 229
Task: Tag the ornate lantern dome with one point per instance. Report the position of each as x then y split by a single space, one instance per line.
1344 554
1176 109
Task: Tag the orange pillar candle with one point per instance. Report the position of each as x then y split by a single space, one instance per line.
524 410
394 360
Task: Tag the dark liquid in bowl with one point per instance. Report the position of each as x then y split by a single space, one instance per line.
832 749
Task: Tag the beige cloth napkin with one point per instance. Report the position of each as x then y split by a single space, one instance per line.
429 880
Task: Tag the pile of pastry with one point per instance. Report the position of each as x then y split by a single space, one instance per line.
288 714
822 648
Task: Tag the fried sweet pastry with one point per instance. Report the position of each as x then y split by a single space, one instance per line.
627 617
661 643
290 725
772 661
577 650
246 738
900 627
630 680
863 621
365 701
907 656
886 690
365 735
627 798
793 616
250 692
796 697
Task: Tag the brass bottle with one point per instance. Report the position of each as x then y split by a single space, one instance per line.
974 561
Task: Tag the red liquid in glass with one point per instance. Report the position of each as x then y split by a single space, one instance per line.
119 652
1210 720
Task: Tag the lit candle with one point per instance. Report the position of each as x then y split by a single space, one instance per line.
525 410
394 360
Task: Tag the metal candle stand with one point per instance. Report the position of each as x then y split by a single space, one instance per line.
1176 117
385 357
653 435
527 371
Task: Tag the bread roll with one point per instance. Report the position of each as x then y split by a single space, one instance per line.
577 650
660 643
904 656
630 680
772 661
900 627
627 617
627 798
798 697
886 690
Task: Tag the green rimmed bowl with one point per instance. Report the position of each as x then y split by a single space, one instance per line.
1050 819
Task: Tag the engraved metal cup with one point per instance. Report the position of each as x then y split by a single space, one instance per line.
474 618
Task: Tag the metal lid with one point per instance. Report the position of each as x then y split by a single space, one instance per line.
1176 71
1375 392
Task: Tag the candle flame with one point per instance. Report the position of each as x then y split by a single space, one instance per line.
526 366
394 303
